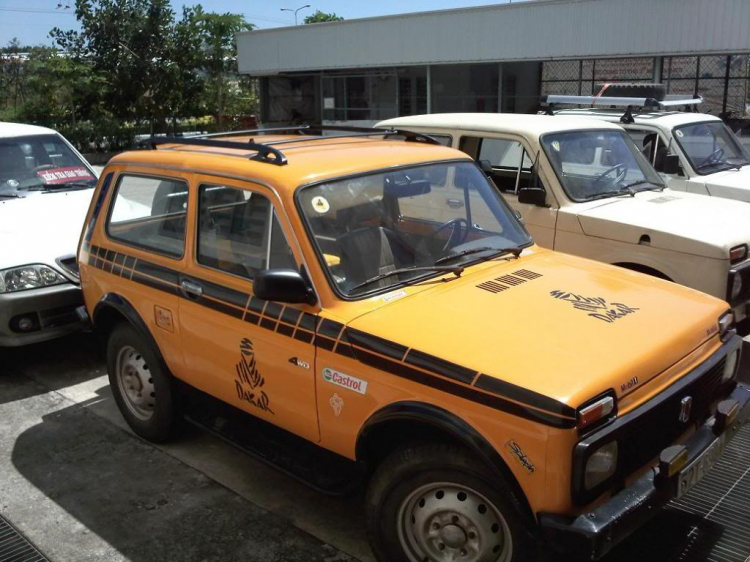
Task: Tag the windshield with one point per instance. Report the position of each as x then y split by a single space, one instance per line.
381 230
710 147
596 164
40 162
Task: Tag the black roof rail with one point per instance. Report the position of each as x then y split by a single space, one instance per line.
265 153
318 130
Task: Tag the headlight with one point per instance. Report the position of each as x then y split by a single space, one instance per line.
29 277
601 465
730 367
736 287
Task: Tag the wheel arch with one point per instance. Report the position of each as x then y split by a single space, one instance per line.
113 309
641 268
412 420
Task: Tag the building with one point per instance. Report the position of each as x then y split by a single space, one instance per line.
499 58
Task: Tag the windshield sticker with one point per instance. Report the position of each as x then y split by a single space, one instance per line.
679 133
523 460
64 175
249 382
597 307
346 381
320 204
556 146
393 296
337 404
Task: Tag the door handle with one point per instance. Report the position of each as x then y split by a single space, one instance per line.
454 203
190 289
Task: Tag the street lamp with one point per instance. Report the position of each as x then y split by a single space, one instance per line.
295 11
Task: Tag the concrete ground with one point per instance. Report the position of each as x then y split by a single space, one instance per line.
82 487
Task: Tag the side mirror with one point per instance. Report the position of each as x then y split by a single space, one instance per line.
533 196
486 166
283 285
671 164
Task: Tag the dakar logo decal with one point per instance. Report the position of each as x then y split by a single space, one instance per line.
249 383
516 451
597 307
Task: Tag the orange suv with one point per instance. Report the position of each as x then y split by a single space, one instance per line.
369 292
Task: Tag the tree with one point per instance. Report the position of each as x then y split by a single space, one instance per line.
320 17
220 52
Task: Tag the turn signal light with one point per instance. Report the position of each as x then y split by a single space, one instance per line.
726 324
596 411
738 253
672 460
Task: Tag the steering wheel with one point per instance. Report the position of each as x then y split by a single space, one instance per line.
621 169
715 156
455 237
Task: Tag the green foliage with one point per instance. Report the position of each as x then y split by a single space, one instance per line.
320 17
134 67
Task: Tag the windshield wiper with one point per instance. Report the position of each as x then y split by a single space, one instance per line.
631 185
515 251
456 270
625 190
73 185
11 195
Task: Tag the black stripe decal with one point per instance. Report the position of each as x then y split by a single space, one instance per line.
494 402
376 344
369 350
520 394
440 366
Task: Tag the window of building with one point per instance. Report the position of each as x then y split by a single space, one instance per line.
150 213
360 98
239 232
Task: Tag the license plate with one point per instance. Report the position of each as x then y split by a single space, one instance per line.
695 471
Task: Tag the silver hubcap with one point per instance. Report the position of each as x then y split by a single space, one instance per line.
135 382
446 522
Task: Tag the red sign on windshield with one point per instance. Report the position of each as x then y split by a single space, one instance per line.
64 175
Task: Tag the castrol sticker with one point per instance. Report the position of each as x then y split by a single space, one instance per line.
345 381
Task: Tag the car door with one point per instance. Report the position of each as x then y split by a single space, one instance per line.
512 169
253 354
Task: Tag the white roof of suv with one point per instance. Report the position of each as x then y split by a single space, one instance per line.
21 130
513 123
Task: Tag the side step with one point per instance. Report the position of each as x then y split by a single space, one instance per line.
314 466
14 547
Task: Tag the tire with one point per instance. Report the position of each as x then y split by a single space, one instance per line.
427 495
627 90
142 389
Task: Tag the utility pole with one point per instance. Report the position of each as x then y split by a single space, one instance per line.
295 11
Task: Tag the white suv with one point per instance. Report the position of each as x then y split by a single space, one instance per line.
45 191
584 187
693 151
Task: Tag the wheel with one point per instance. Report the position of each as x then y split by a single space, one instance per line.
142 390
437 503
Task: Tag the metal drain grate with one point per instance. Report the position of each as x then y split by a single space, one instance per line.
14 547
721 505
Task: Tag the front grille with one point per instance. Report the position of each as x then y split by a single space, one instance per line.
14 547
657 428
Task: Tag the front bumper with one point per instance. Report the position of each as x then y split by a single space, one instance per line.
594 534
51 310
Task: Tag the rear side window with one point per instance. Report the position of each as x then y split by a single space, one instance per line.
150 213
238 232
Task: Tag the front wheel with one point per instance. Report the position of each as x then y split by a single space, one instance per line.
436 503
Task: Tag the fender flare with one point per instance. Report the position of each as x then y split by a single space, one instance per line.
118 303
450 423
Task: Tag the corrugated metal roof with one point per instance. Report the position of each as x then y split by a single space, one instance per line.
537 30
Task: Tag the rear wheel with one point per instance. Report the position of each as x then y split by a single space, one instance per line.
142 390
437 503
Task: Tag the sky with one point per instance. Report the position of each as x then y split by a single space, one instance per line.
31 20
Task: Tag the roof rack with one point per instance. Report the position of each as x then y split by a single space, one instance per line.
671 101
266 151
318 130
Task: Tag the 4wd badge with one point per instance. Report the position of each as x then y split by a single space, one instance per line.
346 381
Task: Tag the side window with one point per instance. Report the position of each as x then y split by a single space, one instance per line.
512 167
150 213
238 232
652 146
445 140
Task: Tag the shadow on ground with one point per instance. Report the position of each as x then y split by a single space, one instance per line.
146 504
